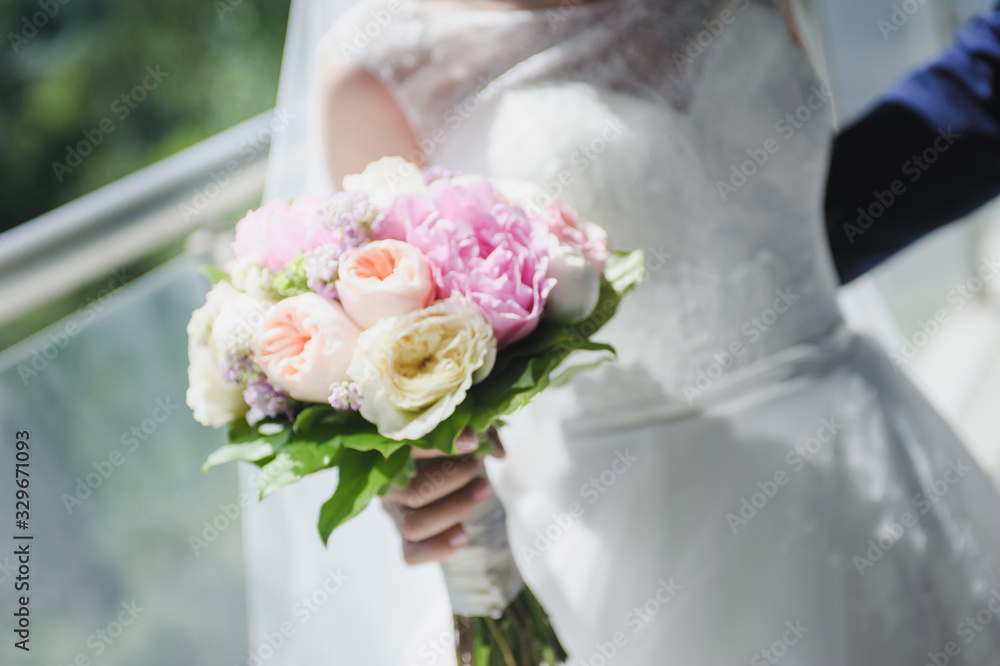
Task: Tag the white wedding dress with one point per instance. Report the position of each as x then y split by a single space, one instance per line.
748 482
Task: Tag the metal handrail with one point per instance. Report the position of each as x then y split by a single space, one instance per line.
92 236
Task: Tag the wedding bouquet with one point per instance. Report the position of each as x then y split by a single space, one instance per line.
395 314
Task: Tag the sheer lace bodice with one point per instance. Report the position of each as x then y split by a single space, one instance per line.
651 119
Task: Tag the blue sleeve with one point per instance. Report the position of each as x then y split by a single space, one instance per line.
927 154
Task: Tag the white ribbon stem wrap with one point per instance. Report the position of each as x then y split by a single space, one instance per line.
482 577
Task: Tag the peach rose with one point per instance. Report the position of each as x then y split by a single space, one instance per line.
305 345
383 279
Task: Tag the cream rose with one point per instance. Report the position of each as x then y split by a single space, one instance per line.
415 369
214 401
386 179
304 345
383 279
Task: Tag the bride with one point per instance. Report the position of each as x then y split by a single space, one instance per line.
748 482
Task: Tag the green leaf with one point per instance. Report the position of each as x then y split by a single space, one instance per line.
322 424
526 368
363 474
403 476
214 274
572 371
294 462
625 270
292 281
251 452
248 444
444 435
241 432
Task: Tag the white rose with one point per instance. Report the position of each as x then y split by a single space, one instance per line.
249 276
415 369
213 400
386 179
578 286
234 327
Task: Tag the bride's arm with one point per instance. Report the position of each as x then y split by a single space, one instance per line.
360 121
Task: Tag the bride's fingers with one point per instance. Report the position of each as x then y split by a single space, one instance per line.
424 454
467 442
421 524
436 548
433 482
494 437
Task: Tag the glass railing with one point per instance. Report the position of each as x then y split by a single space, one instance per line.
135 556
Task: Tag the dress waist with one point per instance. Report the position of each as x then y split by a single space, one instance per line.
805 358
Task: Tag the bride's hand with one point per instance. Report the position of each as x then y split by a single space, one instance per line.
429 512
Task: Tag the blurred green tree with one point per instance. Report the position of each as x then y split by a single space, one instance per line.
126 82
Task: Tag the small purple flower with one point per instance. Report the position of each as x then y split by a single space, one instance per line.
433 173
354 216
345 395
322 269
236 369
265 400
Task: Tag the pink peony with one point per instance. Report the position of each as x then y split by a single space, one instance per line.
383 279
480 249
277 232
586 237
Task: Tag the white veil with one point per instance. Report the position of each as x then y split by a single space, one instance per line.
295 164
353 603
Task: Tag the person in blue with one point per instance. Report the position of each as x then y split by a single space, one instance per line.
927 154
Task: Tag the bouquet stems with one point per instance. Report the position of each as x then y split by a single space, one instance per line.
498 620
521 636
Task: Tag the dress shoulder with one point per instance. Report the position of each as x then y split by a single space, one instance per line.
371 32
